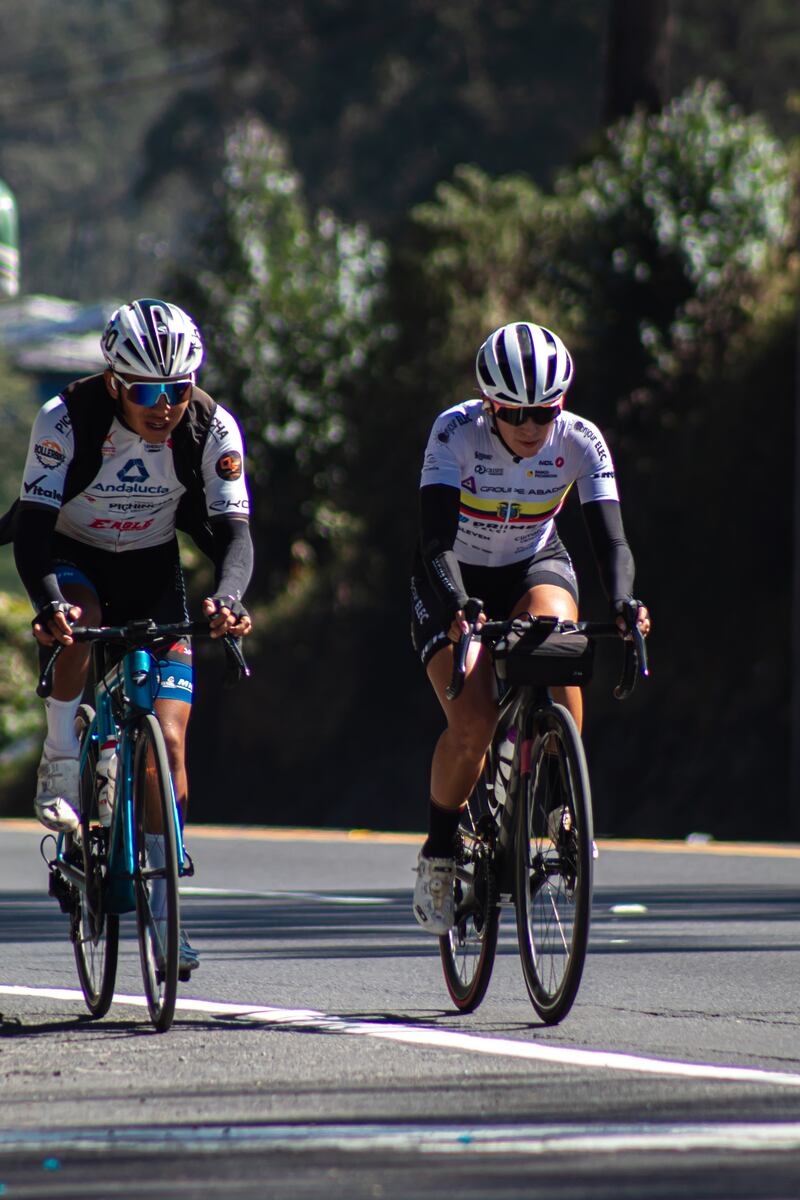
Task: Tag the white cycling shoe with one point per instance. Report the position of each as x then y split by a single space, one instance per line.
57 791
434 901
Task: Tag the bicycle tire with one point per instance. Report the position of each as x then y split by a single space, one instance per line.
468 949
157 931
94 932
553 864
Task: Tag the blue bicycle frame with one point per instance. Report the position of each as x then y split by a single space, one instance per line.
129 687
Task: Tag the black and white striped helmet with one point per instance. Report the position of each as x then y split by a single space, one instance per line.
154 339
524 364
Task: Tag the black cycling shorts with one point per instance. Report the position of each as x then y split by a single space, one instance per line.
500 589
132 586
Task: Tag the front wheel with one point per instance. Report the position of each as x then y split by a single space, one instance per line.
553 864
468 949
155 871
95 932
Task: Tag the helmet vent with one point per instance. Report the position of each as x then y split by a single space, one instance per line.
525 343
504 365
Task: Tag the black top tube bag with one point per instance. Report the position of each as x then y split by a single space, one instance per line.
532 655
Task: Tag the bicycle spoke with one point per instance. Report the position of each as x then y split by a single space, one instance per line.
156 872
468 949
554 865
94 932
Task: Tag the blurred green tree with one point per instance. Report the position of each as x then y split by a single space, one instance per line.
287 301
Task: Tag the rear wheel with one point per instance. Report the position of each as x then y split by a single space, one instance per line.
95 933
468 949
553 865
155 872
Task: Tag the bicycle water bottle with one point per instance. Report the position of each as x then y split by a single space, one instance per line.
106 781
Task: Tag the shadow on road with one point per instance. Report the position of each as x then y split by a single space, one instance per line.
707 918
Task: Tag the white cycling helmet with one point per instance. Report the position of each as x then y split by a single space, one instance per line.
524 364
154 339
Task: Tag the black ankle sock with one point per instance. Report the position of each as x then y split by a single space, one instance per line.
442 826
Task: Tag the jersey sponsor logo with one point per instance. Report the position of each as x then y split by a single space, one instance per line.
125 506
218 430
33 489
184 685
457 419
229 465
600 449
508 511
156 447
543 474
49 454
108 449
129 489
481 470
227 505
480 455
129 526
468 484
64 425
604 475
559 462
134 471
420 611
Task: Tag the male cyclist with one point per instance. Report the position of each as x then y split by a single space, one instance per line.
116 463
496 473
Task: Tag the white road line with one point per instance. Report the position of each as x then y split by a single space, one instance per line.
239 893
446 1039
741 1137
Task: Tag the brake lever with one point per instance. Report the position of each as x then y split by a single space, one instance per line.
237 667
472 610
45 685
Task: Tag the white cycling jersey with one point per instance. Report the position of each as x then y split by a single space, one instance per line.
132 501
508 504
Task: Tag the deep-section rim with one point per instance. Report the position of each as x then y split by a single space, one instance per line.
574 847
96 949
160 978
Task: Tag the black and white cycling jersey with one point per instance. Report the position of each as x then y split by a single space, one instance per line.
131 503
508 504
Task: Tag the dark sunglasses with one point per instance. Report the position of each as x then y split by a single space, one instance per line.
518 416
146 395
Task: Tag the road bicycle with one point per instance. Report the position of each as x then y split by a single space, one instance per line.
526 835
99 873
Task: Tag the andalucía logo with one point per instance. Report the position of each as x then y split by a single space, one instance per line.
134 471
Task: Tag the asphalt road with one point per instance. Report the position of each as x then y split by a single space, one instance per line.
315 1052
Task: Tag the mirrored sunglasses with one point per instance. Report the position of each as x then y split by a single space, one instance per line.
146 395
518 416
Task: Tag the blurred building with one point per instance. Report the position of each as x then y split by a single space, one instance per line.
53 340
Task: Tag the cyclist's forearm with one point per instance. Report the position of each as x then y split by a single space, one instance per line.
233 556
438 510
610 546
33 555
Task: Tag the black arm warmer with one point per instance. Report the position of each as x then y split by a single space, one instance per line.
33 554
438 521
610 546
233 556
